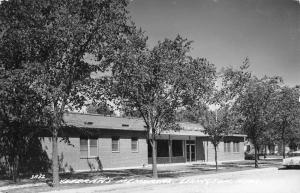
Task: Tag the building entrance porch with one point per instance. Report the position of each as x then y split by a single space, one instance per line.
175 149
190 150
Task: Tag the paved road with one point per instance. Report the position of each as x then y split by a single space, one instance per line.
269 180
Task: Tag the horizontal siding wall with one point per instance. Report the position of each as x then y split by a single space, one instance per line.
123 158
223 156
69 155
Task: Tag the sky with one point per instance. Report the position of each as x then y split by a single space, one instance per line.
227 31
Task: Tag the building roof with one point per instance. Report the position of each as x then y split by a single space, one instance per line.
103 122
124 123
121 123
189 129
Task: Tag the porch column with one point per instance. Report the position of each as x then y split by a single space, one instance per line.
190 149
170 149
207 151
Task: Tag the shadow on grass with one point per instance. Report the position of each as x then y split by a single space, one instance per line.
166 172
124 174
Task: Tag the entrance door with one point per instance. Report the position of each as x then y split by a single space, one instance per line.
190 151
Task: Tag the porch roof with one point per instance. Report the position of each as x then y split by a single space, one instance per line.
189 129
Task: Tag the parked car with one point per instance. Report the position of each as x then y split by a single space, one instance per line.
250 155
293 160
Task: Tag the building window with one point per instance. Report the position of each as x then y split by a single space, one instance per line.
88 148
177 148
93 147
162 148
134 144
236 147
115 144
227 147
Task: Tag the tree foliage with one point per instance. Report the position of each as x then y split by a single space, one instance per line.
193 113
51 39
222 121
284 115
22 116
101 108
216 125
252 104
158 81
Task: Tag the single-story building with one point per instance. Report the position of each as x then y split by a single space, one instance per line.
99 142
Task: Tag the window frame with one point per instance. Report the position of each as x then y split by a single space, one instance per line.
163 145
118 140
137 144
89 148
236 147
182 148
227 146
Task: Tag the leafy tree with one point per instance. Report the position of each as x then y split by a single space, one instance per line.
248 97
160 80
268 138
216 125
130 111
233 83
22 115
223 121
252 104
284 114
101 108
52 40
194 113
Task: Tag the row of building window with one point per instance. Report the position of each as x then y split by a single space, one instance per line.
177 147
89 147
163 148
235 147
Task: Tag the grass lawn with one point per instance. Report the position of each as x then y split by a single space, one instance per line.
115 176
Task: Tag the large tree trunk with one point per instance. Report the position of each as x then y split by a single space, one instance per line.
55 169
255 156
154 160
216 157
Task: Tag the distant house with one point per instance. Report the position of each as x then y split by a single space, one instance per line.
100 142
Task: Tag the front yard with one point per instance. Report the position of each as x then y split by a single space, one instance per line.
165 171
